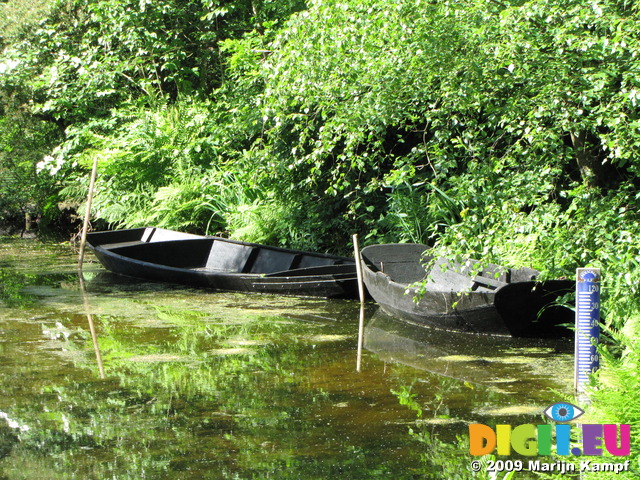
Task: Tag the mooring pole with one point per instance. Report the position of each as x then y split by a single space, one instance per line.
360 338
87 215
356 254
587 359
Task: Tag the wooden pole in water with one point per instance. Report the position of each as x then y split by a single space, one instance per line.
356 252
87 215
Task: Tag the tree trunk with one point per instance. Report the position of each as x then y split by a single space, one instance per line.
594 173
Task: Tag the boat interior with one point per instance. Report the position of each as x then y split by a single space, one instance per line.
404 264
410 263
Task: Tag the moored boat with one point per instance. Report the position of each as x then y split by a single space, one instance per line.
220 263
469 296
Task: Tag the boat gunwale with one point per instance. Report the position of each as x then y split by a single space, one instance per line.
195 237
222 273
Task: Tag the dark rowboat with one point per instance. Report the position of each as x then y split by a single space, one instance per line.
470 297
219 263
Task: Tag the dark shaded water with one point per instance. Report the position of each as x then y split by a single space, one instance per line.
238 386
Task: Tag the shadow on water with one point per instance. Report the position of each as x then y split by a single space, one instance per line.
110 377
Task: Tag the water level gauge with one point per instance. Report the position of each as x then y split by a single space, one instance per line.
587 325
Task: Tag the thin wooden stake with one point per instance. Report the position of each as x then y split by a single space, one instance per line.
356 252
87 215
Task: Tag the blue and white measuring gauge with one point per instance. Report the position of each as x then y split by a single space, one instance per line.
587 359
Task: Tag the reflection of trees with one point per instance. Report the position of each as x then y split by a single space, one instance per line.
447 456
15 285
442 458
194 389
208 386
188 395
11 288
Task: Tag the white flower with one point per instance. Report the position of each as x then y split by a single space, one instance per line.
8 65
13 424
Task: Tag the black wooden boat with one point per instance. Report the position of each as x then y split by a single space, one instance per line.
219 263
467 296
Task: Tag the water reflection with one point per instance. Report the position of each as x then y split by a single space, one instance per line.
361 320
509 365
92 328
122 379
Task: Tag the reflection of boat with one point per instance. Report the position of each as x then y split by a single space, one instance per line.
219 263
467 297
505 363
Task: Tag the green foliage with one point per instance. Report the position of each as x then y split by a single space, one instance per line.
507 131
617 379
163 168
90 63
16 14
575 66
405 397
91 55
341 101
471 126
450 92
24 140
374 112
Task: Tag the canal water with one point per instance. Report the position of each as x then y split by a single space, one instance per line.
104 377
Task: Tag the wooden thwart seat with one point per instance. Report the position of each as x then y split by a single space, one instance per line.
490 283
229 257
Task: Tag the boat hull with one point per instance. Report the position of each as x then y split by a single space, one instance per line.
223 264
453 300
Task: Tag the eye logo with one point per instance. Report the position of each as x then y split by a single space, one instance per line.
563 412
